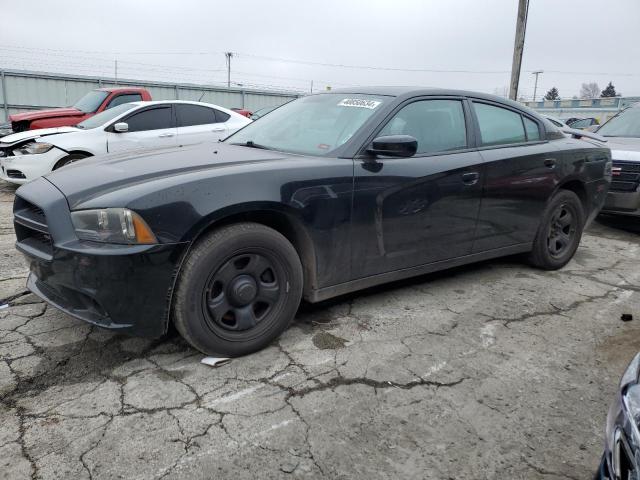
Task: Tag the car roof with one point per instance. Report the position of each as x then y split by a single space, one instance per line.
119 89
411 91
144 103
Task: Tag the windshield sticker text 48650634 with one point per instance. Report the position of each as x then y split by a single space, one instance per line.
359 102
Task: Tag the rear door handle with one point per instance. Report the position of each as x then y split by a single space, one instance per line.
470 178
218 130
550 162
165 135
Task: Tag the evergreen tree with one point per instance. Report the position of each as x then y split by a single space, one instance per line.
610 91
552 94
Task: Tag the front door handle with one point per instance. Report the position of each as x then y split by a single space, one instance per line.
165 135
550 163
218 130
470 178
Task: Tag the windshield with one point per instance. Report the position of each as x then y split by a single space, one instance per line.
91 101
313 125
104 117
625 124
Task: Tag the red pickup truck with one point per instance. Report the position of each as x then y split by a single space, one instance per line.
93 102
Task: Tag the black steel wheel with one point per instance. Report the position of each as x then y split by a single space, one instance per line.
559 232
562 230
242 292
239 288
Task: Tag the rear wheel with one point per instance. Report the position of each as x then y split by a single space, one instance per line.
559 233
74 157
239 288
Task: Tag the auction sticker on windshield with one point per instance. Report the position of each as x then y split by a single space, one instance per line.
359 102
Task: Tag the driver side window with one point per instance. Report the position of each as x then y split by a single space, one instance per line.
437 125
156 118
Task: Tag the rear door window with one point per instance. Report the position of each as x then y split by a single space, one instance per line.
152 119
438 125
189 115
498 126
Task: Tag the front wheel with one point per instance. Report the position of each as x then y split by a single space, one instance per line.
559 233
239 288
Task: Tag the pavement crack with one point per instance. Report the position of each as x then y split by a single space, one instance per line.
376 384
545 472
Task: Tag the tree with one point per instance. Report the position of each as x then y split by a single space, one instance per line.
552 94
610 91
590 90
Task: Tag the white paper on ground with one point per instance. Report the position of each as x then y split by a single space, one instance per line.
214 361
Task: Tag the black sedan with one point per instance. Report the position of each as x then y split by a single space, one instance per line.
328 194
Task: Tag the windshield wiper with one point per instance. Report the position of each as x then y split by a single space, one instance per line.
252 144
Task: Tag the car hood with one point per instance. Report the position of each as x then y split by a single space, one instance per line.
624 148
101 175
53 112
32 134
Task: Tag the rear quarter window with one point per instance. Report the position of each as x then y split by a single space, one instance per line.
221 116
532 129
498 126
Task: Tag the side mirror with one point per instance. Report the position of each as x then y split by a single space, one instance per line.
121 127
394 146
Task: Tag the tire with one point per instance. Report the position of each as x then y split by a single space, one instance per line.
74 157
559 233
238 290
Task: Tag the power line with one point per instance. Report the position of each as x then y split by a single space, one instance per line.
65 52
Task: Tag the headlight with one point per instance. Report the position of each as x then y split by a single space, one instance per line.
32 148
112 225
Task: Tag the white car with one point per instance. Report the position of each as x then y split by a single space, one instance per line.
28 155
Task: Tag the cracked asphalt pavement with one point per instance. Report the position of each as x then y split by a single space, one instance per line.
495 370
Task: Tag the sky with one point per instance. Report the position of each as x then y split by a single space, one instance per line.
305 44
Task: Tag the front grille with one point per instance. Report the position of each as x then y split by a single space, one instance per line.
625 176
32 231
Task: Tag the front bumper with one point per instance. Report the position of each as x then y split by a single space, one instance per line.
622 203
121 287
25 168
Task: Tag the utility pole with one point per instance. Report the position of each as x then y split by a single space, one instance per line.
228 55
535 85
311 86
116 70
518 47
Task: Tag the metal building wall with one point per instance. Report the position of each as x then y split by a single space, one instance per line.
21 90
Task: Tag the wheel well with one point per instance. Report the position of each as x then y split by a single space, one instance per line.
287 227
79 152
72 152
577 187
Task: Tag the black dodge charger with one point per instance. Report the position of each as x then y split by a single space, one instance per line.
326 195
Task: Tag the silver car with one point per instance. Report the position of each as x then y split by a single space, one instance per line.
623 134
